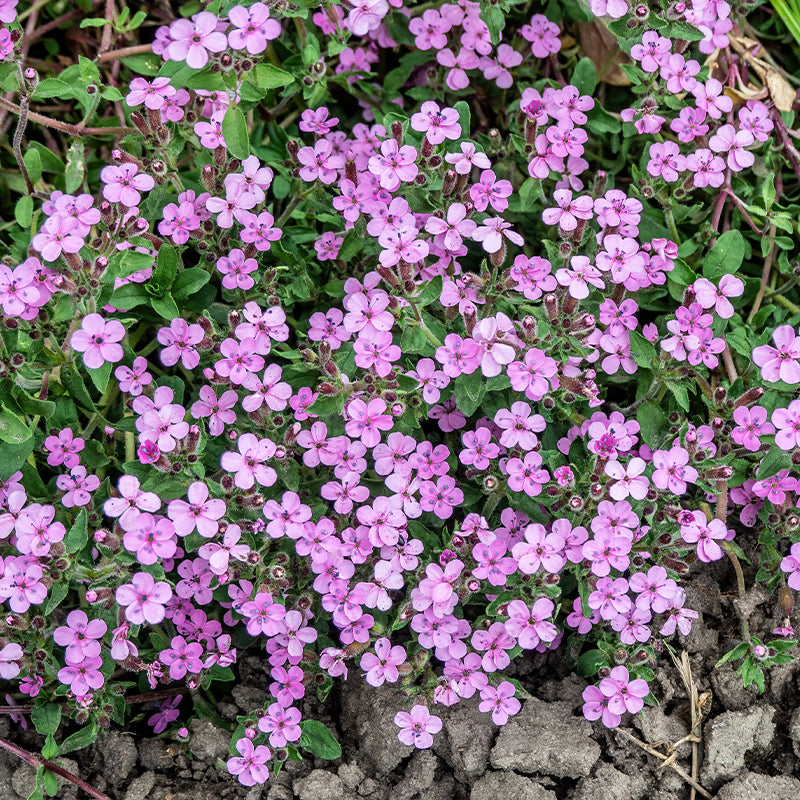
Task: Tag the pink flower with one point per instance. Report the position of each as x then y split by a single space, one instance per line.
78 487
783 363
666 161
251 765
218 409
254 28
248 464
123 185
449 233
458 355
623 693
791 564
500 701
417 727
696 530
144 599
787 421
543 36
535 376
320 162
83 676
59 234
491 234
728 140
97 339
151 539
282 724
437 124
367 420
182 657
751 424
568 211
193 40
382 665
133 379
9 656
199 513
671 470
131 502
440 497
64 449
180 340
394 165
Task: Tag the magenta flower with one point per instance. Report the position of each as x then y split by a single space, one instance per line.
151 539
783 363
751 423
218 409
500 701
253 29
623 693
459 355
250 766
440 497
417 727
286 518
78 487
144 599
133 379
536 376
98 340
182 657
132 501
787 421
530 625
382 665
728 140
200 513
394 165
595 703
192 40
568 211
80 636
123 184
666 161
491 234
180 340
282 725
83 676
367 420
64 449
671 470
167 713
540 550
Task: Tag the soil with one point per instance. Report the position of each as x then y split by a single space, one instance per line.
750 747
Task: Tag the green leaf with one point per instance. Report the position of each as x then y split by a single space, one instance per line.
495 20
431 292
13 456
58 591
412 340
726 256
351 245
469 391
600 121
189 282
642 351
50 749
46 718
23 210
13 429
76 161
52 87
234 129
132 261
318 740
166 267
464 117
33 163
165 306
584 78
740 651
93 22
101 376
773 462
652 422
78 536
591 661
680 393
269 76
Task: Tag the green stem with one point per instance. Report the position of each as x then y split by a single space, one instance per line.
673 228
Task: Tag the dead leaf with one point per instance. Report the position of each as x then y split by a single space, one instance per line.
598 44
781 90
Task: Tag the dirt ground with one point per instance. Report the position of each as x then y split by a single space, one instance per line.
750 747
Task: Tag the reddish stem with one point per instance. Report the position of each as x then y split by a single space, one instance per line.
38 761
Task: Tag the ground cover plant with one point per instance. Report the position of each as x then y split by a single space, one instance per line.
391 338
